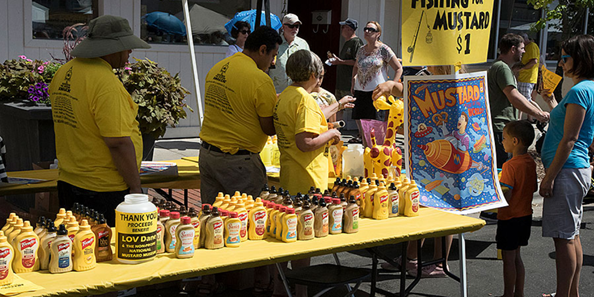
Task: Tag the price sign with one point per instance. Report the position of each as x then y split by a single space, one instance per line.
445 32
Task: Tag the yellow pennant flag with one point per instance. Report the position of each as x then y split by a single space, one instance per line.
445 32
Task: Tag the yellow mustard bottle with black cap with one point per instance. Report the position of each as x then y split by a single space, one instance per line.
84 248
26 247
6 258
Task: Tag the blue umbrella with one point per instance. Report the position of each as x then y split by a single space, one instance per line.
249 16
165 22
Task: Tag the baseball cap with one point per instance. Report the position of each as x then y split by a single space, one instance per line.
291 19
350 22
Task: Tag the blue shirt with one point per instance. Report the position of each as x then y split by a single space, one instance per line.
581 94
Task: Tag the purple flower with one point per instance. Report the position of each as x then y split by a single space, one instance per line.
38 92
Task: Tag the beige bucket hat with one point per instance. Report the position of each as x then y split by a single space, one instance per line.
108 34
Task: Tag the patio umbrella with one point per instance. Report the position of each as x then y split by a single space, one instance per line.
249 16
165 22
204 20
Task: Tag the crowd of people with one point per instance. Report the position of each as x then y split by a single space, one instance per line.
246 101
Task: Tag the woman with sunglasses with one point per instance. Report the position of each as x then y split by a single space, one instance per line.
370 70
565 157
241 30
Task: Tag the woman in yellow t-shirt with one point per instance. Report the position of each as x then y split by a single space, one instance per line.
301 127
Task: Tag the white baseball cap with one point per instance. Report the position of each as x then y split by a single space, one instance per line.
291 19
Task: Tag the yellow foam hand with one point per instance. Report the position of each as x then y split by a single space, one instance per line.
381 103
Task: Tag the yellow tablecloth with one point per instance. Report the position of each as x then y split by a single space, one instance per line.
109 276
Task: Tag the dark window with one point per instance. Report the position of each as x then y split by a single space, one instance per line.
50 17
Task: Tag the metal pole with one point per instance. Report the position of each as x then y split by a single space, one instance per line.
267 12
193 59
463 281
258 14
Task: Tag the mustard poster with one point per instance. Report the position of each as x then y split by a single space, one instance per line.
445 32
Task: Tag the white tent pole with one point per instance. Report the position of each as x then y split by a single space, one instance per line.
193 58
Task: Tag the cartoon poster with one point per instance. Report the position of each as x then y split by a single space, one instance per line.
450 152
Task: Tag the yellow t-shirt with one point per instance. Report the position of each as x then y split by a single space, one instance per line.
237 94
296 112
530 75
88 103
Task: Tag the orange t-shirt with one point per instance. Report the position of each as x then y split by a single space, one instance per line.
518 174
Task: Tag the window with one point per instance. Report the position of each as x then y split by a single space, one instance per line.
163 21
50 17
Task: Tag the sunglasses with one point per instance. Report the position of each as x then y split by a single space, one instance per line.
244 31
564 58
369 29
293 26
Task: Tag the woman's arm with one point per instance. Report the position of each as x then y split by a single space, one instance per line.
307 141
355 70
395 64
574 118
332 109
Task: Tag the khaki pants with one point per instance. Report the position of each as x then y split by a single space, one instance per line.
220 172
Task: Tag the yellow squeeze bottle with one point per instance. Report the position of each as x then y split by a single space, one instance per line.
16 230
401 195
289 232
72 228
184 247
279 222
61 252
232 204
6 258
226 202
10 226
60 217
257 219
368 205
218 200
232 228
242 215
380 204
412 198
84 248
271 224
8 220
249 204
26 247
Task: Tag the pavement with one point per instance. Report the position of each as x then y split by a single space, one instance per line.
484 270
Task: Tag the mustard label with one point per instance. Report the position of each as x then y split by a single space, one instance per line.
394 200
414 196
243 217
260 221
308 224
172 230
186 239
6 256
136 235
336 220
28 247
355 215
64 254
103 240
234 229
291 228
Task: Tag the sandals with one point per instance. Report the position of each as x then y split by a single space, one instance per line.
431 271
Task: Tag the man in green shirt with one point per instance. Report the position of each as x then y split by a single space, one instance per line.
504 97
347 57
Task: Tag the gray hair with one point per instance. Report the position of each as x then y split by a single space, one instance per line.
302 64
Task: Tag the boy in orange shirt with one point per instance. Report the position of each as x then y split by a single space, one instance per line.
514 221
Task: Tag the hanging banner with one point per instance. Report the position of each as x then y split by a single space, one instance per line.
450 152
445 32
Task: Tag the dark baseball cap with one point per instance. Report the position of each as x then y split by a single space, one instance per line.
350 22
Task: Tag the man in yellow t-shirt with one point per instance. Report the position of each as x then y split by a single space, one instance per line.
528 74
239 100
98 142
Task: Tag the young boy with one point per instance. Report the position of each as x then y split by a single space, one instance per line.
513 226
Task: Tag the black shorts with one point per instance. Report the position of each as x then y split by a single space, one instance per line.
513 233
364 108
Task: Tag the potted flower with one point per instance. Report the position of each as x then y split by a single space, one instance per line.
160 98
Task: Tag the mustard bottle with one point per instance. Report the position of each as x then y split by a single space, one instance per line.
184 248
6 258
214 231
72 228
195 221
226 202
271 223
249 204
45 247
16 230
335 217
279 222
305 223
336 185
380 203
289 231
68 215
257 221
219 200
60 217
362 190
84 248
393 201
351 217
402 195
321 220
369 197
61 252
170 228
265 192
8 220
10 226
40 225
26 247
204 216
103 235
232 204
161 231
272 194
232 228
242 215
411 208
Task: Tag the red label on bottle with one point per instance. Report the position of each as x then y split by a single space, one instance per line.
4 253
355 212
63 246
307 217
260 215
217 225
27 243
87 242
383 198
103 234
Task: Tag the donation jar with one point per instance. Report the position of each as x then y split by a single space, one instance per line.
136 230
